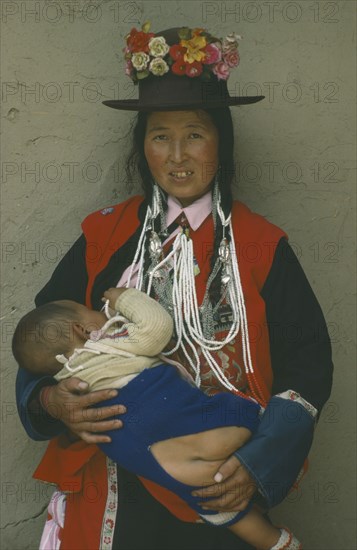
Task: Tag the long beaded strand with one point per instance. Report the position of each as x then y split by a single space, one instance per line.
184 304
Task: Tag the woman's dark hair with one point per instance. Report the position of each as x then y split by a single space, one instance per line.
136 162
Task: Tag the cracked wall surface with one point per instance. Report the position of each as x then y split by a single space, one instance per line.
63 156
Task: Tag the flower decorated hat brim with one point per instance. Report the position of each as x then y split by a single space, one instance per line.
180 69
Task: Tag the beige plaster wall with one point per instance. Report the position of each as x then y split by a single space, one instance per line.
62 157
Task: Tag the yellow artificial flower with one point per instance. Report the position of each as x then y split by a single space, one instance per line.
194 49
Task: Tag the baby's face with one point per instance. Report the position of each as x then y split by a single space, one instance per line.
89 318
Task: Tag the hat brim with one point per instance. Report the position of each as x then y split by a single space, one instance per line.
136 105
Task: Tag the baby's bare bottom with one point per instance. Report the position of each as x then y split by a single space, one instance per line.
195 459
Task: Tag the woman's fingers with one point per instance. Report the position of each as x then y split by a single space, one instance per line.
91 432
231 500
227 469
76 409
73 385
95 397
93 439
233 492
96 416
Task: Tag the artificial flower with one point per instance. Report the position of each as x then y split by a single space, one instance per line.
140 60
221 70
213 54
194 69
158 66
177 52
129 69
198 54
158 46
195 48
179 67
231 57
138 41
232 38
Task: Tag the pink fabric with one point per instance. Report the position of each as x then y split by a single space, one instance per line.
196 213
50 539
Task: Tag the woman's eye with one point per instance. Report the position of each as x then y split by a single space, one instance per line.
160 137
195 135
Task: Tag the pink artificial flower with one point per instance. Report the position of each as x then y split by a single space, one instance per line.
129 68
213 54
221 70
231 57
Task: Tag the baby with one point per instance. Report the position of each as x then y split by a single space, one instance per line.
173 433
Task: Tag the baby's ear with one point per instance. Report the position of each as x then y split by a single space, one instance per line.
80 331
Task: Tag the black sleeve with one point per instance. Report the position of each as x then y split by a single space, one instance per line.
301 361
299 340
69 279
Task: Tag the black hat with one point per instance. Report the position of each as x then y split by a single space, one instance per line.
180 69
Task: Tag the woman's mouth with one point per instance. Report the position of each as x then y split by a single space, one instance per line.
181 175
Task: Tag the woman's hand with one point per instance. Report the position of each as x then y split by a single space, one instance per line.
70 402
233 491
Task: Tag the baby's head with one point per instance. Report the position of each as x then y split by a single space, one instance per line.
53 329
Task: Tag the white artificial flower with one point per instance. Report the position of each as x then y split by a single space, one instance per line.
233 37
158 46
140 60
158 66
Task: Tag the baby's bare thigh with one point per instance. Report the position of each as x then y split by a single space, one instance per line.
194 459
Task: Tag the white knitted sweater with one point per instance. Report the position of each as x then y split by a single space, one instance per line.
115 354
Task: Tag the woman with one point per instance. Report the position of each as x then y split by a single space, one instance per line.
231 282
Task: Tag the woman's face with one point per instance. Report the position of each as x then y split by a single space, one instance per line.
181 148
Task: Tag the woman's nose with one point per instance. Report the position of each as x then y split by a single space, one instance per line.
177 150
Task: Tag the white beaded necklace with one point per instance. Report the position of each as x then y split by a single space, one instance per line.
183 300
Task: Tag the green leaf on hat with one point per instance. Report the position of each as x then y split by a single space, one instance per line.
184 33
142 74
146 26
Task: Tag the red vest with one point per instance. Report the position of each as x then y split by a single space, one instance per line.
105 232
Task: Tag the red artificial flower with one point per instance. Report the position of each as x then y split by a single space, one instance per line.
194 69
138 41
177 52
179 67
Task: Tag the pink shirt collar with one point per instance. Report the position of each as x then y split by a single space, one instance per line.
195 213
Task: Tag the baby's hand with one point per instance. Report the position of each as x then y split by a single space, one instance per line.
112 294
